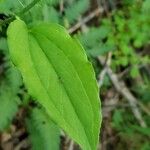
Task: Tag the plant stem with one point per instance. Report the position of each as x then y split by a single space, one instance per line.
22 12
28 7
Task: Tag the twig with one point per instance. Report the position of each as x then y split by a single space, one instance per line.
123 90
61 6
116 105
104 71
71 145
124 72
145 109
109 105
101 77
85 20
28 7
19 133
23 144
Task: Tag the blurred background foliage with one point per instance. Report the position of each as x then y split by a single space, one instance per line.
116 27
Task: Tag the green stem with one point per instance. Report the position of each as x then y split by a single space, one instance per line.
26 9
22 12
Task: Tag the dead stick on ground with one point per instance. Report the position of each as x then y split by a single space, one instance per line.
71 145
124 91
85 20
23 143
104 71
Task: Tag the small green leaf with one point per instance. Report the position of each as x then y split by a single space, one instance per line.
58 74
9 106
75 9
44 134
101 49
134 72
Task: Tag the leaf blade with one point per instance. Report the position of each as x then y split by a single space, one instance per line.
79 60
62 89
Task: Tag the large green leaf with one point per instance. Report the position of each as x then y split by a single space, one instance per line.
57 73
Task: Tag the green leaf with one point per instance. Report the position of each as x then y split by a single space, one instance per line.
50 14
7 5
13 77
9 106
101 49
75 10
9 86
3 45
144 131
134 72
117 119
146 6
94 36
58 74
42 131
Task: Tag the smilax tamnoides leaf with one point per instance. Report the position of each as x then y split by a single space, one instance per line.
58 75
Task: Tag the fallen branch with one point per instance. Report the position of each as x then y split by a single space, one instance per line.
124 91
23 144
71 145
104 71
85 20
